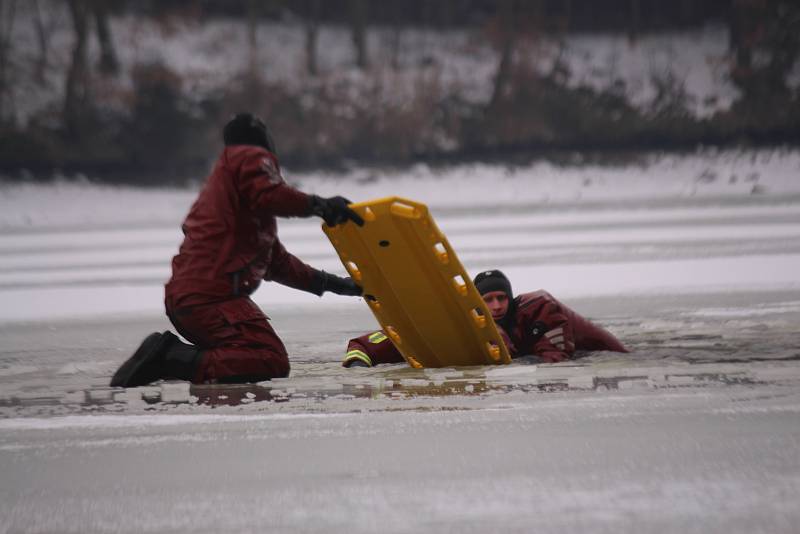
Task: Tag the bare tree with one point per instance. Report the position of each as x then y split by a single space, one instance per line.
252 37
252 76
396 35
564 21
446 9
109 64
635 21
76 91
312 33
508 35
686 9
427 14
746 26
43 40
358 25
764 44
8 11
559 71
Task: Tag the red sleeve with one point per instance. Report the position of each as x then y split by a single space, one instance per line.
287 269
512 350
548 351
265 190
373 349
557 343
589 336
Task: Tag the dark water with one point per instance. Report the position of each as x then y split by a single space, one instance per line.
686 341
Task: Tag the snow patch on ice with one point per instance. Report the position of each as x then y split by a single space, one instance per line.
138 421
88 367
77 250
17 370
764 309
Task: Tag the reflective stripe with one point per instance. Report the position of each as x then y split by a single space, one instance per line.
556 340
377 337
356 354
554 332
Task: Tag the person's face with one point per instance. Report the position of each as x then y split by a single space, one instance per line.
497 301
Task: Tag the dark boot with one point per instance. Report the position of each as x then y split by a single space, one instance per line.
159 356
181 360
140 369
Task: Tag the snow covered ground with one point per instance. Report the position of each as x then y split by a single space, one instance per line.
209 53
691 260
697 223
685 462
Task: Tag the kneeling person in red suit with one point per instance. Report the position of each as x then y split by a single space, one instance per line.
230 245
532 324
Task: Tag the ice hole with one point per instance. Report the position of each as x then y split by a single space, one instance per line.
441 252
352 268
478 317
393 335
493 350
460 285
404 210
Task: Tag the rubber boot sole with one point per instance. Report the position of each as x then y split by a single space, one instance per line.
144 366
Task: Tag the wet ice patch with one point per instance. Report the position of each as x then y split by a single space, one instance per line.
17 370
511 371
662 325
133 421
178 392
761 309
89 368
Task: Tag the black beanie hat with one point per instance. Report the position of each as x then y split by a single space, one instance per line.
247 129
494 280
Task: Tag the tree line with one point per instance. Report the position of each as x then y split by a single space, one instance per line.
163 133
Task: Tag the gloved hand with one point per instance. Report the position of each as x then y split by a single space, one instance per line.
342 285
355 362
512 350
323 282
334 210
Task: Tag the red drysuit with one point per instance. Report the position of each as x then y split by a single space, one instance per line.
231 243
539 325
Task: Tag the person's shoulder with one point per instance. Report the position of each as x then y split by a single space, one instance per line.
252 159
525 300
237 154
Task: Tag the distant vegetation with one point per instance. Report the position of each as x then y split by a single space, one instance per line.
158 129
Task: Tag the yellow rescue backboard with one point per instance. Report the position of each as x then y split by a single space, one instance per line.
416 287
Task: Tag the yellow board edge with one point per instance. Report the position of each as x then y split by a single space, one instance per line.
416 287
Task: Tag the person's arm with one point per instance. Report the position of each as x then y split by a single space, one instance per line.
549 351
266 192
371 349
589 336
512 349
547 333
287 269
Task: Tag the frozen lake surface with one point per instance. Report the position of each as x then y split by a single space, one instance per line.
713 459
696 430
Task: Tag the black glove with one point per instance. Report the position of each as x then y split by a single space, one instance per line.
335 284
334 210
342 286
